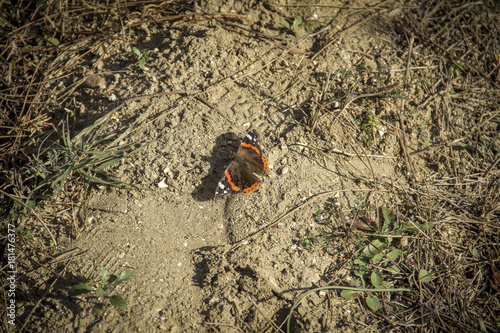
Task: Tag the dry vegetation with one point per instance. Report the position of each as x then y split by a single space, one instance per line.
451 162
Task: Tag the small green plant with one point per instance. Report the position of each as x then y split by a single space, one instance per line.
424 135
323 237
347 74
368 128
380 254
456 69
49 41
360 206
313 240
63 163
85 156
101 290
325 215
347 292
142 56
293 25
18 211
310 20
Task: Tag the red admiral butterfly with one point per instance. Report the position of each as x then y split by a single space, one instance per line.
245 171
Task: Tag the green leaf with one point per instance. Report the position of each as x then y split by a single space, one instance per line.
97 308
393 269
296 22
285 23
80 289
13 214
113 182
355 282
136 51
53 41
374 248
376 279
109 163
118 301
388 219
87 281
378 258
394 255
62 179
359 262
348 294
82 164
368 121
373 302
104 275
424 276
362 271
100 292
125 276
141 63
426 227
474 252
414 227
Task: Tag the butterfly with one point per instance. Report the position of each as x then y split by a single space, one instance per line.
245 171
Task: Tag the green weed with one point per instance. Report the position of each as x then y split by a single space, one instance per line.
63 164
293 25
377 261
83 158
347 292
142 56
456 69
307 18
18 212
423 135
100 291
360 206
313 240
322 237
368 126
381 253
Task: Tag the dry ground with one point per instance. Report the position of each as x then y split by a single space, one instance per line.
380 123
